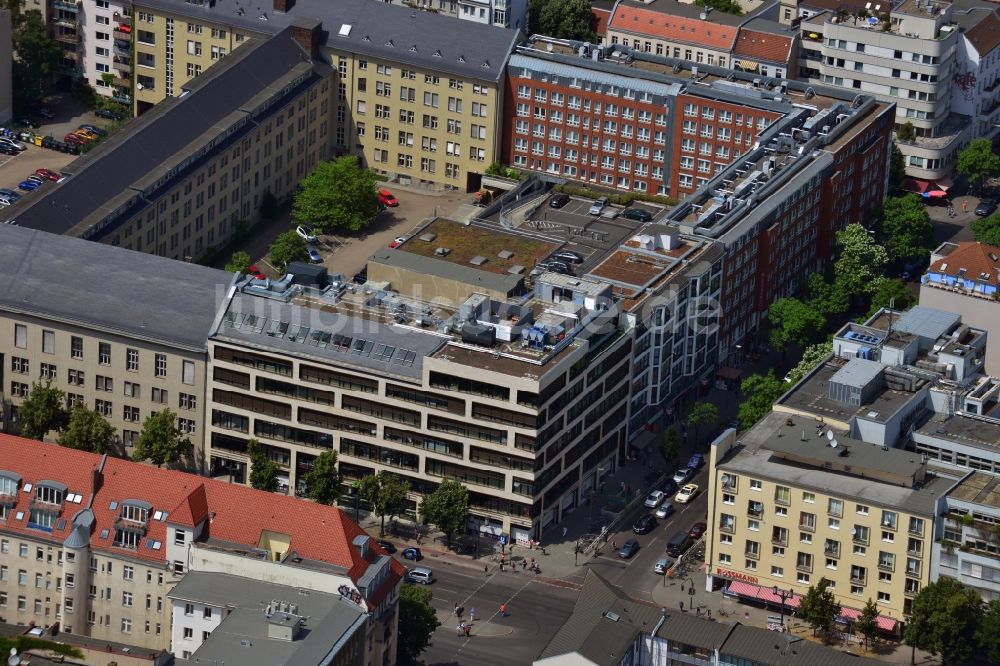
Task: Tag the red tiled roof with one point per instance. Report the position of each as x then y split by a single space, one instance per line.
639 20
237 514
985 35
599 20
763 46
975 259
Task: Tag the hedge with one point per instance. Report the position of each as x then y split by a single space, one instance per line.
618 198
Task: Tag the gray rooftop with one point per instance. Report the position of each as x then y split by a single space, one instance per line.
115 174
376 29
404 359
978 433
109 288
242 636
811 395
926 322
805 441
501 282
858 372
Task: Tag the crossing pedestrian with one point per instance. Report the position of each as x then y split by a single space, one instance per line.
468 630
503 610
965 206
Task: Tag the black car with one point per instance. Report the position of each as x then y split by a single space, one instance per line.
628 549
644 524
387 547
986 207
558 200
566 256
638 214
554 266
108 113
669 487
6 149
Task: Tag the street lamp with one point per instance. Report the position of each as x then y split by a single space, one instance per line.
782 594
690 592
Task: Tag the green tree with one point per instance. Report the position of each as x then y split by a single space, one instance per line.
36 57
794 322
944 619
42 411
825 297
671 444
727 6
24 643
811 357
417 623
701 413
322 482
238 262
989 632
387 494
906 132
867 623
286 248
160 440
977 162
263 470
897 168
88 431
760 392
890 291
819 607
564 19
906 231
859 260
447 507
337 195
987 229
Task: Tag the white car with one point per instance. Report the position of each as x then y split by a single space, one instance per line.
682 475
654 498
686 493
598 206
306 232
665 510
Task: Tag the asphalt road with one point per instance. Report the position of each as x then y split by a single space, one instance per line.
535 609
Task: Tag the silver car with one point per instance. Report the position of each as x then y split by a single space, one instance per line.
663 564
598 206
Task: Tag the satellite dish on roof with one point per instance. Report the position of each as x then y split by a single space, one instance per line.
829 435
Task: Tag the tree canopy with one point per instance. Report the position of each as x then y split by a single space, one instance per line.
88 431
36 55
701 413
987 229
42 411
563 19
811 357
794 322
906 231
888 292
977 161
263 470
826 297
286 248
819 606
727 6
322 482
859 260
338 194
160 441
238 262
944 620
989 632
447 508
387 494
760 392
867 622
897 168
417 622
671 444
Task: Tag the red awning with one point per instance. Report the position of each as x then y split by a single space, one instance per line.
884 623
916 185
762 593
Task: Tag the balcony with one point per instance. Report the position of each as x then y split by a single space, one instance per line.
123 65
122 19
64 22
122 50
122 82
119 33
68 38
65 6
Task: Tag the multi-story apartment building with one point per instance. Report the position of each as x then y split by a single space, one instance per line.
105 48
904 53
680 31
500 13
966 549
94 546
185 176
522 396
417 95
976 89
63 19
120 332
793 501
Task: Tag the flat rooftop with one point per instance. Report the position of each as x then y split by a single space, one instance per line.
109 288
978 488
977 433
806 438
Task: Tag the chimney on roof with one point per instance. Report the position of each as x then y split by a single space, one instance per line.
283 6
306 32
96 480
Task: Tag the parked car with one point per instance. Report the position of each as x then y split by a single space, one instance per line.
9 194
412 554
644 524
669 487
665 511
558 200
598 206
568 257
26 122
628 549
654 499
314 256
682 475
555 266
48 174
109 114
638 214
696 461
87 134
254 271
306 232
398 240
663 564
697 530
986 207
387 546
95 129
679 543
27 185
386 198
686 493
36 179
7 149
17 145
74 139
43 112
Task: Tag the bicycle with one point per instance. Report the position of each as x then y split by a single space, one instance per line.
724 613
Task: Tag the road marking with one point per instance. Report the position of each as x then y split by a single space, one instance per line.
496 612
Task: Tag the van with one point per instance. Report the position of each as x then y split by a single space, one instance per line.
679 543
421 575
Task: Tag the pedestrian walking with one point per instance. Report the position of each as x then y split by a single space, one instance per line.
503 610
460 629
965 206
468 630
746 616
472 614
486 569
457 614
565 531
614 545
461 611
524 564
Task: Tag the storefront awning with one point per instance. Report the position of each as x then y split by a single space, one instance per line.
762 594
885 623
943 183
916 185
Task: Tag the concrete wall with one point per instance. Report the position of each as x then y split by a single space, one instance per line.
976 312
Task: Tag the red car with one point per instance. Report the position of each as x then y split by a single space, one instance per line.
74 139
47 174
697 530
386 199
254 271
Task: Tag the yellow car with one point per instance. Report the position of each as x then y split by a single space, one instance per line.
86 134
686 493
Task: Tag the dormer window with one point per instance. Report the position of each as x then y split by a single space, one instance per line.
46 505
8 493
132 523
